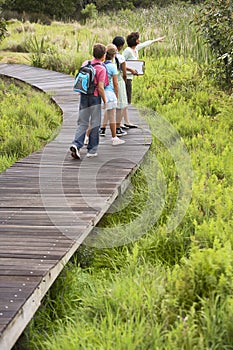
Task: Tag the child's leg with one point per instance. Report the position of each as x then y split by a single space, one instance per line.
88 131
112 121
125 115
86 140
118 117
126 119
105 119
104 124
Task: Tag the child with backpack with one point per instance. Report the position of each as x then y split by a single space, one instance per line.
90 104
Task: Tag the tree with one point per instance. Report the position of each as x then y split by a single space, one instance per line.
89 11
3 29
59 9
21 6
215 22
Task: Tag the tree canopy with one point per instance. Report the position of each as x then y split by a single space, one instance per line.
3 29
62 9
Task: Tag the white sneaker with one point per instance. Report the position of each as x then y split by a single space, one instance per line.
116 141
91 155
75 151
86 140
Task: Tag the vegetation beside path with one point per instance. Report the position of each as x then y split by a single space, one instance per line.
166 291
28 121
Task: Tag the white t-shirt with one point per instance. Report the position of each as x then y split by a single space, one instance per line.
130 54
120 57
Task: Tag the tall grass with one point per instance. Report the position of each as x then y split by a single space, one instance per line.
174 21
68 44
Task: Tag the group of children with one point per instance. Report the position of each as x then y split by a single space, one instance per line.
113 92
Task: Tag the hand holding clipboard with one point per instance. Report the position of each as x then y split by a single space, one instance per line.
136 67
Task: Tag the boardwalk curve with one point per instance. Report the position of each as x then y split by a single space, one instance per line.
47 208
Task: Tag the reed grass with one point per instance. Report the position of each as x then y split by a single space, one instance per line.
75 41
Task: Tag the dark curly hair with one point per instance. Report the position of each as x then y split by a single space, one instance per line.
132 39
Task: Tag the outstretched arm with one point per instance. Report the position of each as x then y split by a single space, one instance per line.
149 42
160 39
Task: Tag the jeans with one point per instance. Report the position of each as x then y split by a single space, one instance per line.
89 116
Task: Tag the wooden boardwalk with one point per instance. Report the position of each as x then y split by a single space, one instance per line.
49 202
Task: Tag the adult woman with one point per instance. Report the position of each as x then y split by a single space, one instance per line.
131 53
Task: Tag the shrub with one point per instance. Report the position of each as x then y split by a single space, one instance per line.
215 22
37 49
89 12
3 29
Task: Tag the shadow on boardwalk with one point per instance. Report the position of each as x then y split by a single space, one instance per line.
51 202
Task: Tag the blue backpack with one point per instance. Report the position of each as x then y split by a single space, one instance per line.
84 79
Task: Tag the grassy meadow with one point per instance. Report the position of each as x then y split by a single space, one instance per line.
166 290
28 121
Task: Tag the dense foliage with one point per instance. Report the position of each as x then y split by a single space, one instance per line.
64 9
52 9
3 29
215 22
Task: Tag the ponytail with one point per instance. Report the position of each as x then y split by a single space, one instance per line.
117 63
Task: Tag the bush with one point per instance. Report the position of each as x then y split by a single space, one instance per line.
215 22
3 29
89 12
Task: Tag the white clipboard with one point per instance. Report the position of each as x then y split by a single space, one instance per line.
139 65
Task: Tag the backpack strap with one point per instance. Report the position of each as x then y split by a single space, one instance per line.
95 64
92 64
102 64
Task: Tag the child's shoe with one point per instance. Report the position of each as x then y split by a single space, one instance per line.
75 152
120 132
102 131
92 155
116 141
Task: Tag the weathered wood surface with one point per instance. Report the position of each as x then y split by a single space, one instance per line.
50 202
